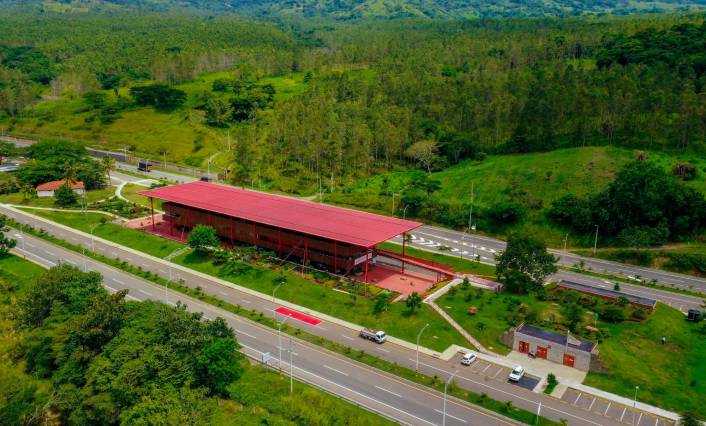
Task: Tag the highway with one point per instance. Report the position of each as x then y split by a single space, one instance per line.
490 379
464 245
397 399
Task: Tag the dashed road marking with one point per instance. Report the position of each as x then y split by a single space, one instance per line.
245 334
337 371
449 415
389 391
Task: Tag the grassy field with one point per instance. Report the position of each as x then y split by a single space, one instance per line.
300 290
535 180
130 191
91 196
672 376
182 134
492 312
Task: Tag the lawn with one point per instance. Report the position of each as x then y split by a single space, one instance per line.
130 191
672 376
302 291
142 241
306 292
492 311
91 196
18 271
458 264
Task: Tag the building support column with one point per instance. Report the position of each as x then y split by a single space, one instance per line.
254 238
152 210
279 242
306 249
404 242
335 257
367 254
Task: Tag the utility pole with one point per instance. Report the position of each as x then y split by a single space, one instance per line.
404 212
634 404
291 368
279 341
471 227
446 385
393 203
566 238
595 242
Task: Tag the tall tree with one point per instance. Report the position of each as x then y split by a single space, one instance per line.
524 264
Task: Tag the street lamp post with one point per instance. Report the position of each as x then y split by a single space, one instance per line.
446 385
279 341
419 335
634 405
274 290
595 242
291 368
21 238
93 228
393 203
404 211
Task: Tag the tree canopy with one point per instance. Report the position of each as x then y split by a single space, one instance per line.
524 264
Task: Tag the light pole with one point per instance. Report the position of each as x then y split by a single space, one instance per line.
291 378
595 242
634 405
393 203
446 385
21 238
93 228
279 340
419 335
566 239
404 211
274 290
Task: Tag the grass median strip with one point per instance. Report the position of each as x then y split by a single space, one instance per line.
480 399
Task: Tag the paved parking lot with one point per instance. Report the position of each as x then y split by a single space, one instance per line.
491 371
619 412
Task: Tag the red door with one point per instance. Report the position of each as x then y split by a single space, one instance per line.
569 360
541 352
524 347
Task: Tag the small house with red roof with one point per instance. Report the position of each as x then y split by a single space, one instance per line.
47 189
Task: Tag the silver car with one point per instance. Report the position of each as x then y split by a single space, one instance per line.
516 374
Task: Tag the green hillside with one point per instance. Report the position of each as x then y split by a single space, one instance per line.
357 9
532 180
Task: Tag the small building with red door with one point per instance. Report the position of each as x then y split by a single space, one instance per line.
327 237
560 348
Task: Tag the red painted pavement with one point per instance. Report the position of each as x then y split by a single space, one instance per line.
298 315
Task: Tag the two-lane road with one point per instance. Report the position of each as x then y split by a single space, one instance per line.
464 245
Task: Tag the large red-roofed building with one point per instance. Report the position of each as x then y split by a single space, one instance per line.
333 237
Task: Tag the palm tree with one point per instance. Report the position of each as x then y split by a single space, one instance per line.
70 173
108 165
413 302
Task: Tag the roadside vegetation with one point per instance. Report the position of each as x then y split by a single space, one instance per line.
215 385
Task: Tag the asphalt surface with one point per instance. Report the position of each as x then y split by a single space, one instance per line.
490 379
466 246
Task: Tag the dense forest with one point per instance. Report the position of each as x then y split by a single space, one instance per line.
378 9
311 104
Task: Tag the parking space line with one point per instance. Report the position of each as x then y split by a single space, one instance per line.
607 408
487 367
639 419
496 374
592 402
623 415
577 398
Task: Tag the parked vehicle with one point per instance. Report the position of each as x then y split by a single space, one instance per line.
144 166
377 336
468 358
516 374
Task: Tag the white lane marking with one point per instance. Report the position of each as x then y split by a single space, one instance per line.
71 262
118 281
388 391
382 349
347 337
109 287
145 265
449 415
145 292
321 328
223 293
246 301
132 297
364 396
49 253
337 371
163 271
547 407
100 248
245 334
31 245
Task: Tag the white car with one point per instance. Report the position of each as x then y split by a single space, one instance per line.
516 374
468 358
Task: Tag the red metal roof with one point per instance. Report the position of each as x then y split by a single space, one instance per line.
321 220
56 184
